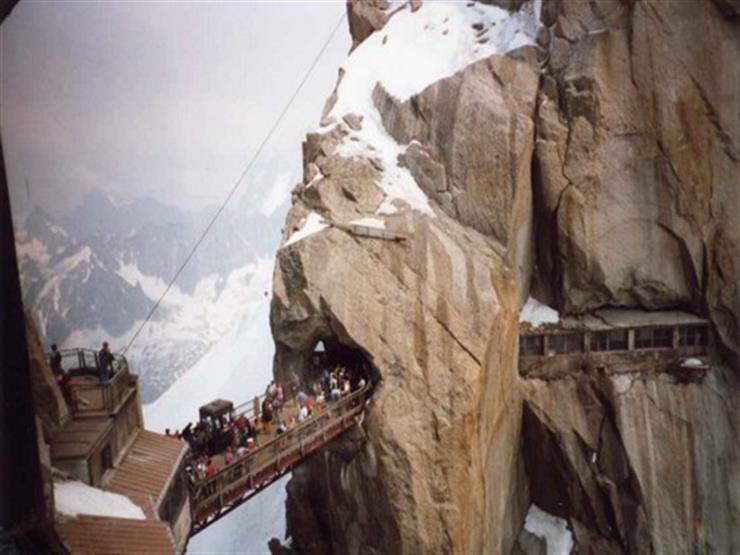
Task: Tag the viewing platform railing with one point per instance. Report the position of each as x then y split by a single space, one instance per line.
214 496
82 366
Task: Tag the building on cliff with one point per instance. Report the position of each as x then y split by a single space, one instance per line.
616 340
110 486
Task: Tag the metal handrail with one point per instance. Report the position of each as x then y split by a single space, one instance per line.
113 390
87 359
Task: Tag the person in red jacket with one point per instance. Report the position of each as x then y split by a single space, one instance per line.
210 468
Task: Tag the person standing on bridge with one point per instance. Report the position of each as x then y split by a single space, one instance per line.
301 398
250 430
266 411
336 393
279 396
302 413
345 386
187 434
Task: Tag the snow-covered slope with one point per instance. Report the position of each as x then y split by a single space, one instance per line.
238 367
93 279
413 51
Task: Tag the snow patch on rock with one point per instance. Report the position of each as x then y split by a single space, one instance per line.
312 224
75 498
622 383
316 178
415 50
536 314
552 529
374 142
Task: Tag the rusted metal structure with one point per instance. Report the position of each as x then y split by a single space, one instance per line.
614 340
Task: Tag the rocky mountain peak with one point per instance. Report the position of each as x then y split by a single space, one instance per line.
471 156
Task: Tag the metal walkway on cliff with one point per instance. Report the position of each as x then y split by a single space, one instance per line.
213 497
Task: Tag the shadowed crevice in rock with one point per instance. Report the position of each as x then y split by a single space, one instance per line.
592 484
295 352
637 462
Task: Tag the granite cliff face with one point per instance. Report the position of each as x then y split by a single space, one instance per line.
584 152
637 158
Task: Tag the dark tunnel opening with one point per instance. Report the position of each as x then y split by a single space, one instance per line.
330 359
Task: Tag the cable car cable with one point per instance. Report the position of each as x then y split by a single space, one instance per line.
237 184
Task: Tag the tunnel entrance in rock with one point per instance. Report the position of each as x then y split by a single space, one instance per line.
331 360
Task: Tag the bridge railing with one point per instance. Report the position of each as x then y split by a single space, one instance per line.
210 495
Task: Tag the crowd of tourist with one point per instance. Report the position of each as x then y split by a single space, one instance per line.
217 443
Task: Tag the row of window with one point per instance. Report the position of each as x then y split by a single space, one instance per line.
613 340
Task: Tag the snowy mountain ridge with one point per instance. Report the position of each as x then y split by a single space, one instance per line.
95 273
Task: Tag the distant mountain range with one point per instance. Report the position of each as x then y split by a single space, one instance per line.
95 273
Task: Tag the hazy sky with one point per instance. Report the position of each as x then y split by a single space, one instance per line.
162 99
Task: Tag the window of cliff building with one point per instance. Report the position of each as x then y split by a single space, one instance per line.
564 343
613 340
654 338
692 336
531 345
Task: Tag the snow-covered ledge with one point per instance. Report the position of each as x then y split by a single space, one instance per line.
75 498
